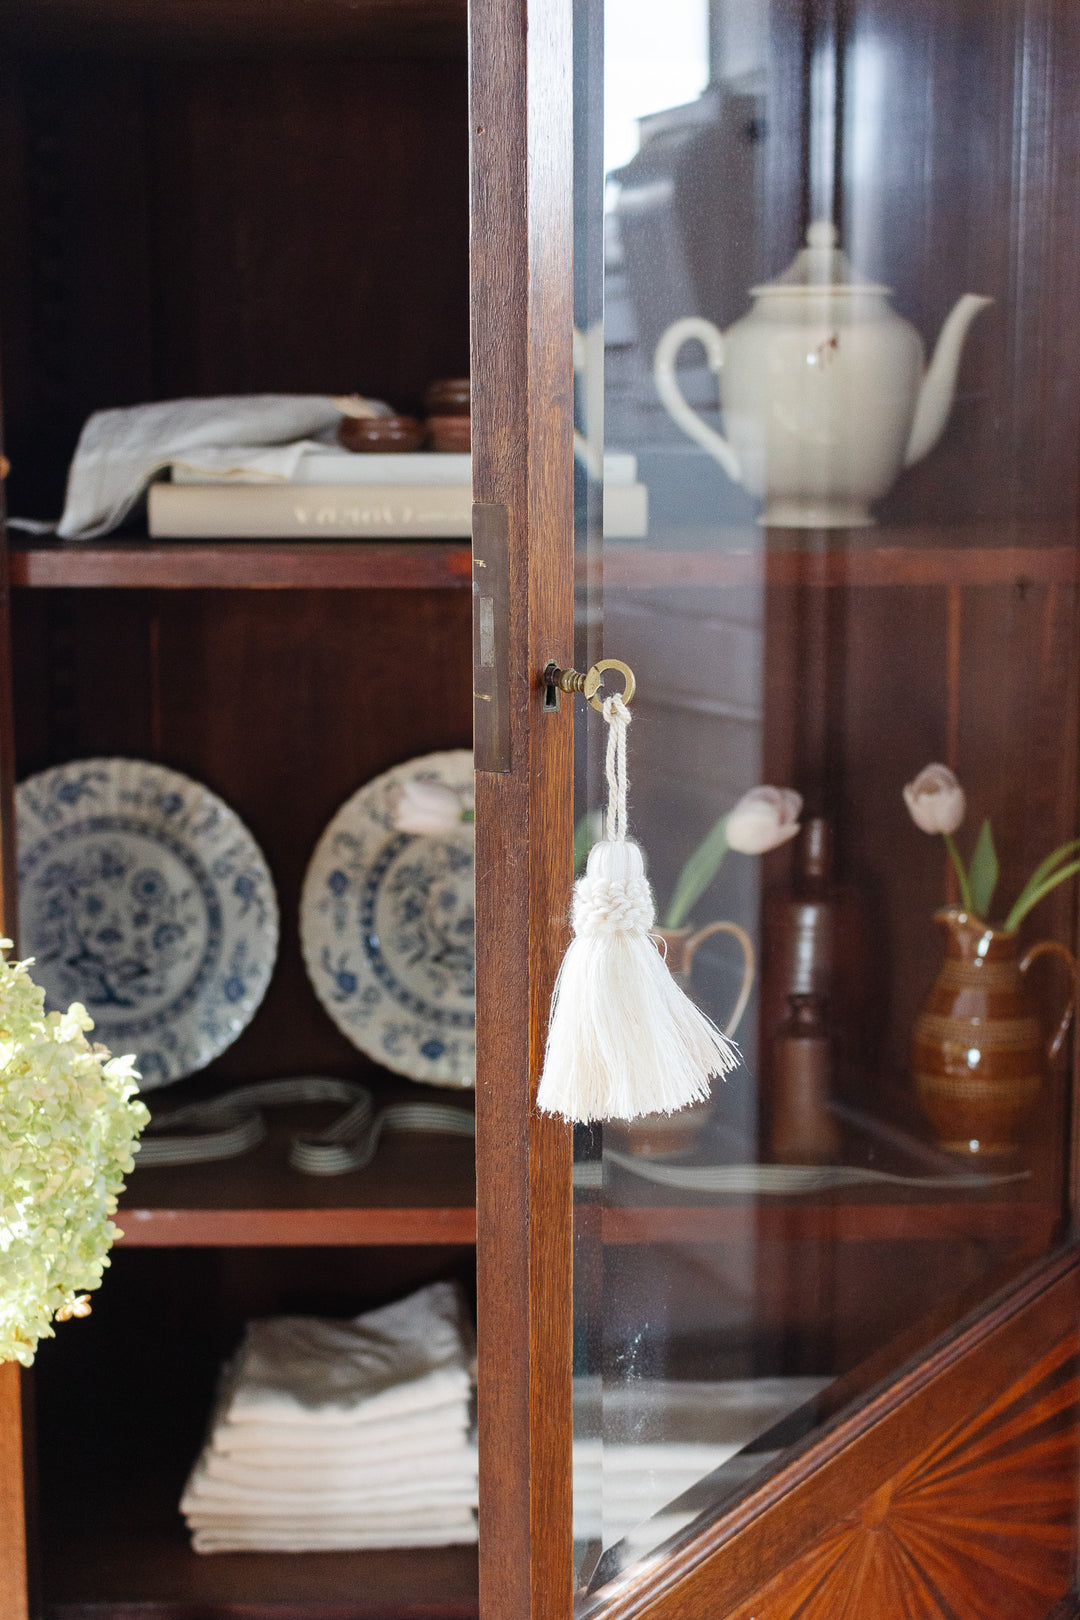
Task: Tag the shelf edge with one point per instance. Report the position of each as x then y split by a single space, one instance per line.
295 1228
237 565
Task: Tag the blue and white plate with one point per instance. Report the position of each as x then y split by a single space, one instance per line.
387 927
144 897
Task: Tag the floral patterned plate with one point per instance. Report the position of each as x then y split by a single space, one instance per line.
386 925
144 897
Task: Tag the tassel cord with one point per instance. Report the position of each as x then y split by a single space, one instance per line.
617 716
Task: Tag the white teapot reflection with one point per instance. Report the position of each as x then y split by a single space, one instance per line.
822 388
589 372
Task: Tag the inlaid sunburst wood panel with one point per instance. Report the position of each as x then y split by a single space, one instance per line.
980 1526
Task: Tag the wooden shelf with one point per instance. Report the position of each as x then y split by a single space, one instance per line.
244 565
368 565
842 1219
426 27
158 1577
858 565
121 1552
114 1545
418 1190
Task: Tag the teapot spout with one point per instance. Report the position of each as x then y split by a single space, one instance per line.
939 384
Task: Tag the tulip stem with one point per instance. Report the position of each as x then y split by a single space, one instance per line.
961 875
698 873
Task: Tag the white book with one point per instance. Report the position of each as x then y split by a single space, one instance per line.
286 511
309 511
349 467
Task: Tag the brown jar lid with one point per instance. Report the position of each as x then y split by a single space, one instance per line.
449 396
449 433
380 433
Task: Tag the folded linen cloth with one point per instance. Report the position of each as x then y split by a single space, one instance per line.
412 1434
321 1374
324 1401
440 1480
200 1504
121 451
340 1523
316 1540
343 1472
203 1495
337 1523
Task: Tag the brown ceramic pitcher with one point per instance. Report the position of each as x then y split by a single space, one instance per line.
675 1133
978 1053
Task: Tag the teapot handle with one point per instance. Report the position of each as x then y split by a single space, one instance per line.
1051 947
667 386
749 964
589 446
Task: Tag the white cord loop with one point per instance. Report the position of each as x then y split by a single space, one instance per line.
617 716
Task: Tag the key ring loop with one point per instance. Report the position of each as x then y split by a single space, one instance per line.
629 683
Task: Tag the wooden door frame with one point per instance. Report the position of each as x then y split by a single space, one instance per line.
521 135
522 371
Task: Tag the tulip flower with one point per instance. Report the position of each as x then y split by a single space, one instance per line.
935 800
937 805
427 808
763 818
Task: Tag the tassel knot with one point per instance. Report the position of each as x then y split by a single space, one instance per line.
612 905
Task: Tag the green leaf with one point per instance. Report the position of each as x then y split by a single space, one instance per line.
1055 858
585 836
697 874
1040 875
1031 897
984 872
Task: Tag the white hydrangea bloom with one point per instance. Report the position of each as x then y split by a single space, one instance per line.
69 1120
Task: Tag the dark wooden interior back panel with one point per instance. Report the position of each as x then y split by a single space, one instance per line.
246 224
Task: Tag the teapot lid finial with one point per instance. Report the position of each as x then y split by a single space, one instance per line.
821 266
822 233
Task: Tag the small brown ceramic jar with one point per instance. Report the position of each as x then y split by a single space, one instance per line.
449 433
450 396
383 434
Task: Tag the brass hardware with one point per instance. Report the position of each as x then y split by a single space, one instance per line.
588 684
5 467
491 637
629 683
572 680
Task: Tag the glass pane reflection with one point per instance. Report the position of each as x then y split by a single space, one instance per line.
745 1269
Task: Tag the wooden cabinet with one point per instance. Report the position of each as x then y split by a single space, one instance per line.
226 203
207 199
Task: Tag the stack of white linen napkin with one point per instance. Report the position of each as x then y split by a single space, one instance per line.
338 1435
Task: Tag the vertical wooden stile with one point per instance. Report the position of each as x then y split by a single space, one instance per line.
522 387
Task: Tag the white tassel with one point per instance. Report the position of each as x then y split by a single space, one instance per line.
623 1039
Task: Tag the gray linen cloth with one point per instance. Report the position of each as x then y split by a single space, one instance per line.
121 451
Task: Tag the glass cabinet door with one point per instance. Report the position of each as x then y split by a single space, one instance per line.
826 495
